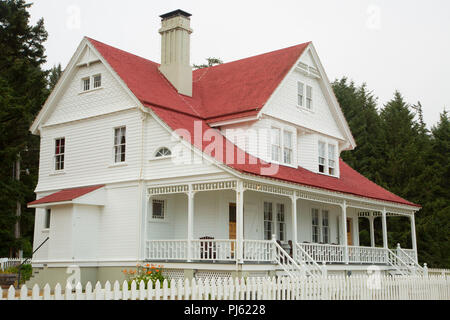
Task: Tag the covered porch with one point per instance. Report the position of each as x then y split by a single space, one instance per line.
247 222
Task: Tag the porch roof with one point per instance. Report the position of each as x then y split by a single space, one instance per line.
65 195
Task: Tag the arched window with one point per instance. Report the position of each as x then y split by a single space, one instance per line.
163 152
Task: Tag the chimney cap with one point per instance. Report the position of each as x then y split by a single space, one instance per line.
175 13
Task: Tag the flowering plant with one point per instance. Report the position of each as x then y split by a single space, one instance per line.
145 273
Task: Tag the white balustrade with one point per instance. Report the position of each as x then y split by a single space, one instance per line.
212 249
258 251
167 249
324 252
367 255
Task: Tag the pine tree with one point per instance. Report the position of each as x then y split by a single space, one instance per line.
23 86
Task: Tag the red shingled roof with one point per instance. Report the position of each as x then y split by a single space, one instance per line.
232 90
65 195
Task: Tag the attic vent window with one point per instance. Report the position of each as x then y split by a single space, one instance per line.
91 83
163 152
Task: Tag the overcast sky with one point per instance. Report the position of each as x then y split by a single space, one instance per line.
391 45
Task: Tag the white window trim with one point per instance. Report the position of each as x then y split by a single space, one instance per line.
293 148
275 223
303 107
113 157
150 211
326 165
91 83
320 225
154 157
61 171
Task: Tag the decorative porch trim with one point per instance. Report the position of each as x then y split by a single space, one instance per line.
260 187
214 186
168 189
315 197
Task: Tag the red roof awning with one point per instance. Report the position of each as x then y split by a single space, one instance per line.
64 195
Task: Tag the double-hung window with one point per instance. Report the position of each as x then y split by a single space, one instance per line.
282 146
327 158
287 143
331 159
320 223
322 147
97 81
91 83
315 225
268 220
301 93
325 227
119 144
86 84
276 144
309 99
60 146
281 222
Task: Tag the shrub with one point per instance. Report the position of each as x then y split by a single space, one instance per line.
147 273
25 272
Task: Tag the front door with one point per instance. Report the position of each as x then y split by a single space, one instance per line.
232 224
349 232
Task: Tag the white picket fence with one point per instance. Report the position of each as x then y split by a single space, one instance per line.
332 287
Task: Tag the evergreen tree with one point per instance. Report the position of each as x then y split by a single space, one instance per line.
210 62
53 76
23 87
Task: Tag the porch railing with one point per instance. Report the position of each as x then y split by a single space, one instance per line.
167 249
213 250
367 255
324 252
258 251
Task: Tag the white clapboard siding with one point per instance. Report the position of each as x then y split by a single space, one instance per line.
89 157
75 105
359 287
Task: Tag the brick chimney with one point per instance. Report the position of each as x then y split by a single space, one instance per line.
175 50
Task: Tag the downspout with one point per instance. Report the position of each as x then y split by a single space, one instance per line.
142 224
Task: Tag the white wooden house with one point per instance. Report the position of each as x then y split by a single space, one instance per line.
231 169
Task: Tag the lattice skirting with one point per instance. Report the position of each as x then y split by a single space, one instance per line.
206 274
174 274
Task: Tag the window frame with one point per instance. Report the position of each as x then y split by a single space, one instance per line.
156 156
309 97
47 218
93 81
61 154
302 95
152 218
271 220
118 145
327 159
84 81
320 233
282 146
281 222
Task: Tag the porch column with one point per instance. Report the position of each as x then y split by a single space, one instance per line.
413 235
344 230
191 195
294 226
372 229
240 221
384 224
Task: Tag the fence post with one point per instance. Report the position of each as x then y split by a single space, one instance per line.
324 270
425 270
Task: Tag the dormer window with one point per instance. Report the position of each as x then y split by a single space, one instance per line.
327 158
282 146
119 144
163 152
287 142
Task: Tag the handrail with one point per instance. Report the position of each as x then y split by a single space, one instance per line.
403 263
288 257
411 259
310 259
20 266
